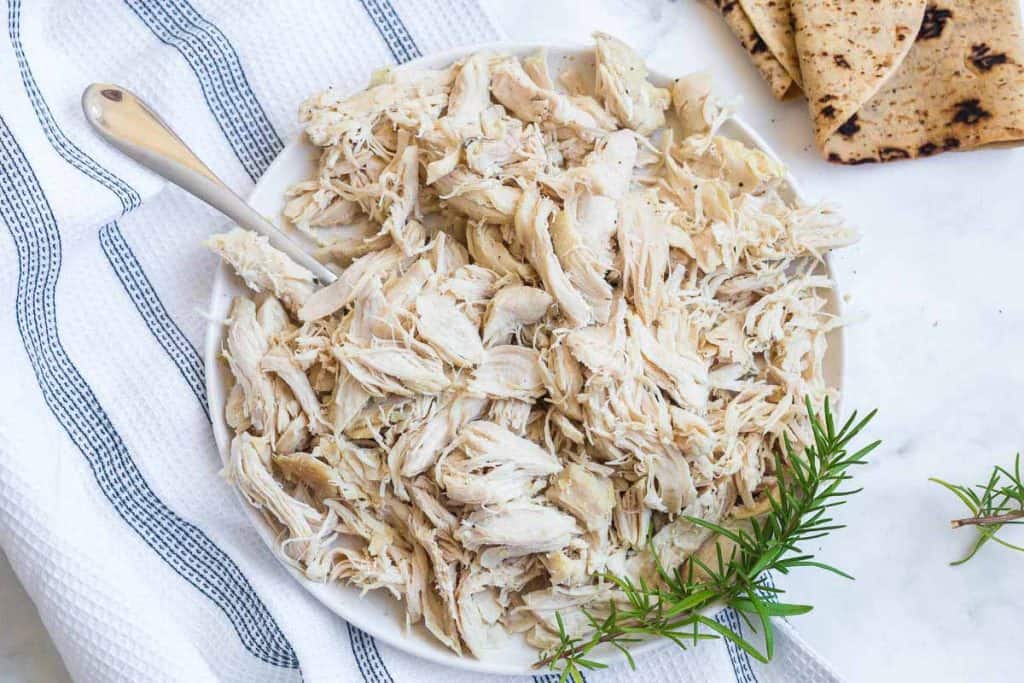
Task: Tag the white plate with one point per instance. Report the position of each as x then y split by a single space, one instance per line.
376 612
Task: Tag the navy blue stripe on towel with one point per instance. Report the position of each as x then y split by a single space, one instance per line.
71 153
183 546
167 333
392 30
367 657
224 84
552 678
741 665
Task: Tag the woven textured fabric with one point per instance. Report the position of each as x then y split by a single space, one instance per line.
112 512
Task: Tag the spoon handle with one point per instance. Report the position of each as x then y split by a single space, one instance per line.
129 124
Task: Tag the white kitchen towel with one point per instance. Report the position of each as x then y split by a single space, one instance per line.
112 512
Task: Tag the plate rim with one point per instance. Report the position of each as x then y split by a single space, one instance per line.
405 640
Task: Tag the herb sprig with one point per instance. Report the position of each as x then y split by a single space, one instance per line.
993 505
809 487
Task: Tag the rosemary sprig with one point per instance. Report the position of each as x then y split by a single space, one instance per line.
809 487
993 505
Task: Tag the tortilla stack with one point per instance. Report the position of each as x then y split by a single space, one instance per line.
899 79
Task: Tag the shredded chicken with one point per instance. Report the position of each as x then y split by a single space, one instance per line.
565 321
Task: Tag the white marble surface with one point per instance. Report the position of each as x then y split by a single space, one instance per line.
934 286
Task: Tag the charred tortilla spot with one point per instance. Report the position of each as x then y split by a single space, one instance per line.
927 149
861 161
826 98
893 153
970 112
984 59
758 46
728 6
934 21
829 111
850 128
841 62
834 157
950 143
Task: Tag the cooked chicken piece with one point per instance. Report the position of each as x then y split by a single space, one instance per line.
360 470
563 379
294 437
478 198
444 570
669 482
479 613
549 604
424 497
418 448
470 94
532 232
510 309
400 183
262 267
586 495
355 279
511 414
622 84
348 400
273 319
334 120
400 292
605 172
582 266
680 538
678 371
279 361
245 346
393 369
633 518
312 204
508 372
490 465
447 329
235 411
536 66
248 468
472 286
487 249
304 468
565 568
512 87
446 255
602 348
644 253
342 244
698 111
519 528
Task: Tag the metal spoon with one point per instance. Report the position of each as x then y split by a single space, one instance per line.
129 124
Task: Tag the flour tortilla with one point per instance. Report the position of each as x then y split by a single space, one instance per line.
959 84
779 79
773 21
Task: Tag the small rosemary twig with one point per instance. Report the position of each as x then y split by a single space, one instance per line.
996 503
991 519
